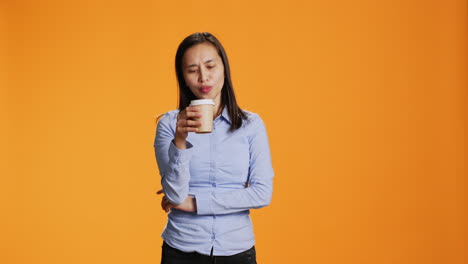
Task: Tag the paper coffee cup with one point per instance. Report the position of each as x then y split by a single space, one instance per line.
206 110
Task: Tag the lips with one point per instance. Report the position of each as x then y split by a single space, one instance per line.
206 89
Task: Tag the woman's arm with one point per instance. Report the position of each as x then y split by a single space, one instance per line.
173 153
173 162
259 193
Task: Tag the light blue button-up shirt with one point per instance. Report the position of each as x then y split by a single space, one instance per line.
228 173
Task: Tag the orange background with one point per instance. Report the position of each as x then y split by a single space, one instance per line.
364 102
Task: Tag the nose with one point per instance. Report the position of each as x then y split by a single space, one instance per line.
203 77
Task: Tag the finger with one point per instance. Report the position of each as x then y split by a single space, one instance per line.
189 109
167 207
187 129
165 200
180 123
190 129
193 114
192 123
188 123
160 191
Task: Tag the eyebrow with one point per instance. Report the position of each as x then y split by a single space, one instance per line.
193 65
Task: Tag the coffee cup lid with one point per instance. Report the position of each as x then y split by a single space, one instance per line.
202 102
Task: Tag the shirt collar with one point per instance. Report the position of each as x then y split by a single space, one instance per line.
225 115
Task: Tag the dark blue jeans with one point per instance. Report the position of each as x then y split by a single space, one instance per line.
171 255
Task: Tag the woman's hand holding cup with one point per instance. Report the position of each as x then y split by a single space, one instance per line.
185 124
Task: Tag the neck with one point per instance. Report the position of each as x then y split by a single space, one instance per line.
218 109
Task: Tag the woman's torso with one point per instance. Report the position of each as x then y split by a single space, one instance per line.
219 163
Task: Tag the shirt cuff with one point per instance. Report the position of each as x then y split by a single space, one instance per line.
204 205
180 156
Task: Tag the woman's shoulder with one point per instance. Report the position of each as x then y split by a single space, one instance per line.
168 116
168 119
253 119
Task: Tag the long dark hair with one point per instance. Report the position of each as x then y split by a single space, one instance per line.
228 98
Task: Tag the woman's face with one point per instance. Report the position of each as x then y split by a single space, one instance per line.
204 71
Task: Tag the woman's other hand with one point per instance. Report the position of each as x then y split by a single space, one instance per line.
189 204
185 124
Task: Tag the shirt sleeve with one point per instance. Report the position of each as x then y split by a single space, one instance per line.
173 163
258 194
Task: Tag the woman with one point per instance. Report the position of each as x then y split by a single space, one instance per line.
210 181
